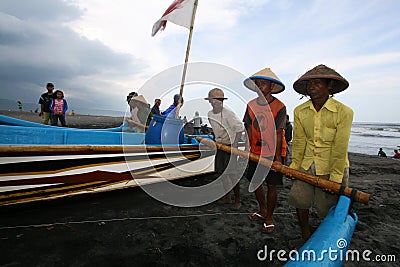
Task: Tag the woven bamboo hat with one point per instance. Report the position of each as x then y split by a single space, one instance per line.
139 98
321 72
216 93
266 74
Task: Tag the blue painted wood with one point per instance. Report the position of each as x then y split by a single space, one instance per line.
22 135
5 120
329 243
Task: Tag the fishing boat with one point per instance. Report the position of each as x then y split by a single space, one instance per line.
40 162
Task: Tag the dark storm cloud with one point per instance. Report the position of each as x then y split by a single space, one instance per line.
36 47
43 10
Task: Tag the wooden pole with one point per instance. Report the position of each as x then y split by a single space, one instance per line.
359 196
186 57
41 150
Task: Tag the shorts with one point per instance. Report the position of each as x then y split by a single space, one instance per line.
304 196
259 172
225 162
47 118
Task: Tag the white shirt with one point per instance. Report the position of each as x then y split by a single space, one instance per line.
225 125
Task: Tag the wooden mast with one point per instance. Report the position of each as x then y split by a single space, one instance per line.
187 57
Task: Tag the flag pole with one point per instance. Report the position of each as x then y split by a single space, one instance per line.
187 57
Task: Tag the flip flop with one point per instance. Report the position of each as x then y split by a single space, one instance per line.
256 217
268 228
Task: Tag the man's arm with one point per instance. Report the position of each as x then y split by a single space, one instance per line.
341 145
299 142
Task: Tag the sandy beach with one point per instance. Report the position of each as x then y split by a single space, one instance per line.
129 228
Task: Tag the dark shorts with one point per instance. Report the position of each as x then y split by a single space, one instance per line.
258 171
225 162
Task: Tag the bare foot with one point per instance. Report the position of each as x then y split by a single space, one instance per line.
236 205
225 200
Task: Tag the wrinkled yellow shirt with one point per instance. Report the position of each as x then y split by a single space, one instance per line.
322 137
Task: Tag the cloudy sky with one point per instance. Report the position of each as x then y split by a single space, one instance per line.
98 51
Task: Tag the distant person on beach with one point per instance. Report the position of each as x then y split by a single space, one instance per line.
58 107
197 122
174 108
396 154
227 129
19 105
320 143
44 101
265 122
381 153
143 113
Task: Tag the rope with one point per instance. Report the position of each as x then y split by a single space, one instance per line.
130 219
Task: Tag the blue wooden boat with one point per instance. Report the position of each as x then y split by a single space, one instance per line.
330 242
40 162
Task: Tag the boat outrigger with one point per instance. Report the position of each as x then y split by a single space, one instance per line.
41 162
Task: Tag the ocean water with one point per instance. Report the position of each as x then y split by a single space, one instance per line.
367 138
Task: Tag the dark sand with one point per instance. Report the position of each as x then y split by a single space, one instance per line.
129 228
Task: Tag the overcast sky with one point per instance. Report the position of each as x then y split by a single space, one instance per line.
98 51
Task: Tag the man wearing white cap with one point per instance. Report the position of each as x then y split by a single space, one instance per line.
227 129
265 121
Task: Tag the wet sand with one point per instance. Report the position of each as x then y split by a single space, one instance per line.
129 228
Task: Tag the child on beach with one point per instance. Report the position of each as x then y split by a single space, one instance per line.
58 108
265 121
396 154
45 101
381 153
227 129
19 105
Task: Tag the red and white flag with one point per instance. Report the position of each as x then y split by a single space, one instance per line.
179 12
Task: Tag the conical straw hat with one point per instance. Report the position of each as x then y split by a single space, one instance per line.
139 98
321 72
266 74
215 93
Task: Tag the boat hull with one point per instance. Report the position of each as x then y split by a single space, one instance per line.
32 173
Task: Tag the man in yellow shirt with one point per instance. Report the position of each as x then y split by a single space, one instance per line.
320 141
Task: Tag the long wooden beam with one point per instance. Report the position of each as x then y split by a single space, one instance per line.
336 188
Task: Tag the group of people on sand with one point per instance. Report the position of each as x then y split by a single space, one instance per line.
53 106
320 142
319 147
142 113
382 153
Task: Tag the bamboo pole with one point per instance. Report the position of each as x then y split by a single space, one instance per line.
11 150
186 58
279 167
